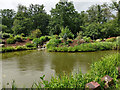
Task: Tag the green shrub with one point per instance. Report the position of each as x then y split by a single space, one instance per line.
25 38
3 27
87 39
112 39
62 44
118 41
18 38
72 49
22 34
30 38
79 35
0 41
5 35
11 36
36 33
85 47
31 48
36 41
8 49
48 38
53 43
66 33
70 41
80 41
10 41
29 45
107 66
55 36
43 39
18 48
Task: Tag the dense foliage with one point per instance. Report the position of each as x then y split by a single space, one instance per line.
18 48
97 21
52 46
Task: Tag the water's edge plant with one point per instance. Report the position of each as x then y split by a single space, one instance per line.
52 46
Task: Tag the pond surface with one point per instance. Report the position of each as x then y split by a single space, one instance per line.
26 67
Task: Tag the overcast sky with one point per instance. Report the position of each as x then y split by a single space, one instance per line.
80 5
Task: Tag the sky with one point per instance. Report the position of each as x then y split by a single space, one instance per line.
80 5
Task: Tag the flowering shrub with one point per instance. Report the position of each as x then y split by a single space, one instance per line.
112 39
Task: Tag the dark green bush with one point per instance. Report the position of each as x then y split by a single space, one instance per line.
85 47
87 39
10 41
30 38
4 28
53 43
31 48
66 33
18 48
44 39
36 41
0 41
5 35
36 33
118 41
48 38
55 36
70 41
22 34
25 38
8 49
18 38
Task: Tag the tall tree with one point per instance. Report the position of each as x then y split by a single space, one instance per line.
39 17
99 13
116 6
22 26
7 16
35 14
64 14
22 23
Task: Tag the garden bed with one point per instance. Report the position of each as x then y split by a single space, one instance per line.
17 43
85 47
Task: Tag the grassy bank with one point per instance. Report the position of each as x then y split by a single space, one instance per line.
18 48
106 66
26 45
85 47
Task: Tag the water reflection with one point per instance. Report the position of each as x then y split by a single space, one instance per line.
27 66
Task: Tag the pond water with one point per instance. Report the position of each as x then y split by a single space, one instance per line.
26 67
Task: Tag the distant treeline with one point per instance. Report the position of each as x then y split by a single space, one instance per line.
97 22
